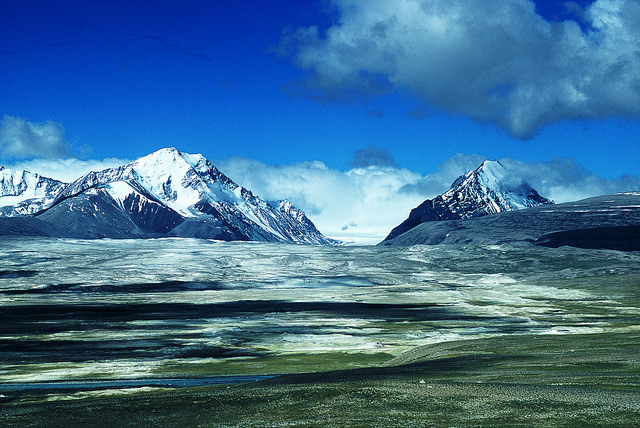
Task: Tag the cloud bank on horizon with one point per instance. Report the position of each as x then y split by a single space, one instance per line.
498 62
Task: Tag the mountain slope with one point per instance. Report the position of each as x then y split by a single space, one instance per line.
170 193
92 214
602 222
30 226
483 191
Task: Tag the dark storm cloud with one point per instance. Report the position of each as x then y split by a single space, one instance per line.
21 139
496 62
372 156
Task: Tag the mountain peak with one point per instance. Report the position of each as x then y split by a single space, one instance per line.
490 164
167 154
493 169
171 193
489 174
486 190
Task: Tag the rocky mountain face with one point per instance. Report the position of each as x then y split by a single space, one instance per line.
483 191
170 193
25 193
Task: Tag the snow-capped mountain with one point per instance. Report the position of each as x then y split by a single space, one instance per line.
170 193
26 193
603 222
486 190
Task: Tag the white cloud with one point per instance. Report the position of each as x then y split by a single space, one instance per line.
361 204
21 139
492 61
439 182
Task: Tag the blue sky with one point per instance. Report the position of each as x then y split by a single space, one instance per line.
418 90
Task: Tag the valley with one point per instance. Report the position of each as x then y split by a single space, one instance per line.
541 329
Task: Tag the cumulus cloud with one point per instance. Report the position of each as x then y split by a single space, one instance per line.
361 204
497 62
21 139
372 156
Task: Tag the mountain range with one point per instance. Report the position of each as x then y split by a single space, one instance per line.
166 193
169 193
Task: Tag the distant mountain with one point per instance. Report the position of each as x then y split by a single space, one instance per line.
25 193
609 222
170 193
485 190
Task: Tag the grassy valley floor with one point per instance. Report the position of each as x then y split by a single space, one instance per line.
519 380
